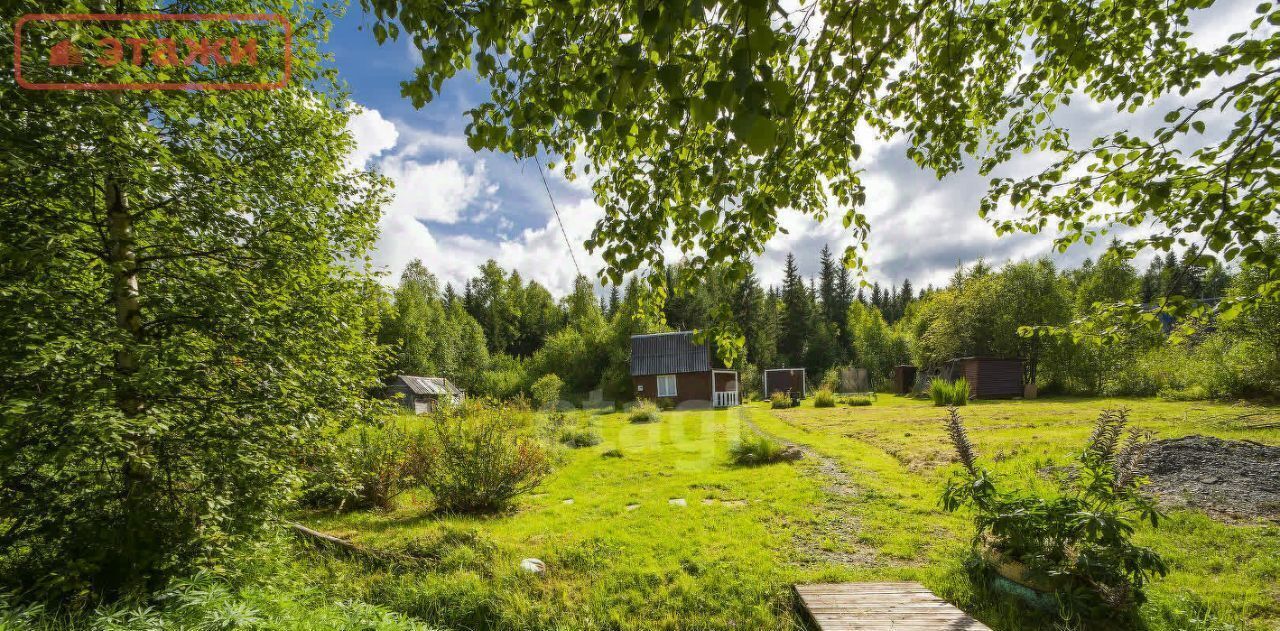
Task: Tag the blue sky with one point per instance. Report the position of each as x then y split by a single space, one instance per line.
455 208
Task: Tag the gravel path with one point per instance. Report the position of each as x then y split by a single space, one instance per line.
1237 478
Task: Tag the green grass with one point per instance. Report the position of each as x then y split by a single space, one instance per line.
896 453
622 555
727 557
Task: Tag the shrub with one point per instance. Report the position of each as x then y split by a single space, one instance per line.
779 401
367 467
824 398
645 412
754 449
580 437
1078 539
666 404
479 459
857 401
831 379
749 383
546 391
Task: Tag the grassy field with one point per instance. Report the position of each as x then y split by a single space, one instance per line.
656 529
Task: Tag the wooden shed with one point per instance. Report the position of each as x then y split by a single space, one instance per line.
904 379
989 377
422 395
675 368
784 380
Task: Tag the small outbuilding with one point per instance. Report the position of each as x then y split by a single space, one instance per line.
904 379
989 377
673 367
423 395
784 380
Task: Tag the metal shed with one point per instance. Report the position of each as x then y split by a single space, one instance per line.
784 380
423 395
989 377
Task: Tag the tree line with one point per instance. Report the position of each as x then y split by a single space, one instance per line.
501 333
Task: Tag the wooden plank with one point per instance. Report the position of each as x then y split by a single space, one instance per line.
881 607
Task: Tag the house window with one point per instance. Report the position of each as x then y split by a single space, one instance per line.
666 385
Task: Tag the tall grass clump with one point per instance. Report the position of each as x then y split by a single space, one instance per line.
645 412
754 449
940 392
580 436
779 401
949 393
824 398
857 401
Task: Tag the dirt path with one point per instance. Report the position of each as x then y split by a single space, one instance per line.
835 519
837 480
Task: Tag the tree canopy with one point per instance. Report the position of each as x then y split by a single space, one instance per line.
703 119
183 310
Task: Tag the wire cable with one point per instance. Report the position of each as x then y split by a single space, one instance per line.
560 221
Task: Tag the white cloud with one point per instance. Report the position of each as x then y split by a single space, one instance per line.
456 191
373 134
435 191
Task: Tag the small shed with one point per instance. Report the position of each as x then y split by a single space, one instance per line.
422 395
904 379
989 377
784 380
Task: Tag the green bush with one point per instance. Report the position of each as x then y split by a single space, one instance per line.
645 412
830 379
960 392
368 468
480 457
666 403
749 383
779 401
579 437
1078 540
754 449
546 391
824 398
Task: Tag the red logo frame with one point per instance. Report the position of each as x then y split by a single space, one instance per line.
156 17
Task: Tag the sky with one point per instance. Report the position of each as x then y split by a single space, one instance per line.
455 208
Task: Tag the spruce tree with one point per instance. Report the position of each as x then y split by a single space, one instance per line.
793 334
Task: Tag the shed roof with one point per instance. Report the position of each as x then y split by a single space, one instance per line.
667 353
429 385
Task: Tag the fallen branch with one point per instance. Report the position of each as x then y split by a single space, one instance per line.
325 540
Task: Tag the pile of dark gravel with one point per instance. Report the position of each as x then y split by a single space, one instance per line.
1239 478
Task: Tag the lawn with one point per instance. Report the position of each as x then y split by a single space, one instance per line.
672 535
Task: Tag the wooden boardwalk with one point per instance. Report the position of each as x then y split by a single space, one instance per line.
881 607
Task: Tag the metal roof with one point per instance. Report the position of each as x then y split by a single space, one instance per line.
429 385
668 353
